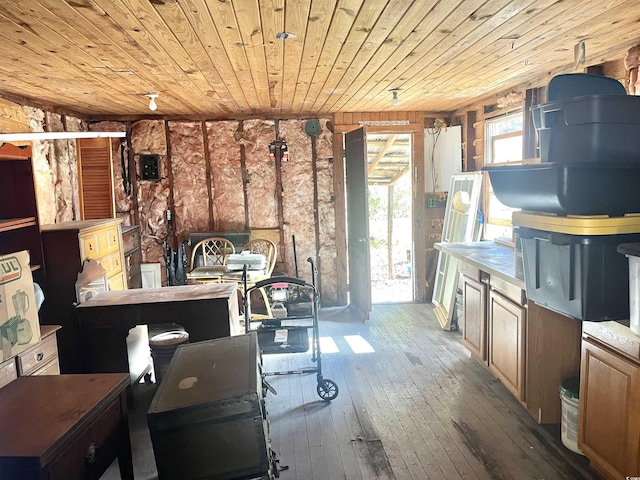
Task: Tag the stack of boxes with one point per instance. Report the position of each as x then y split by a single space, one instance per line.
581 201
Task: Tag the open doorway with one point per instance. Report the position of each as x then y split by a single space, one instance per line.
390 226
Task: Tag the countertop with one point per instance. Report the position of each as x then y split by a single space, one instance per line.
489 257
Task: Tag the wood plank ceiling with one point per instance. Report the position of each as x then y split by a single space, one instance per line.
240 58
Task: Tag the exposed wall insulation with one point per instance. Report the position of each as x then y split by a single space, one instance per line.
327 218
190 193
148 136
226 176
43 171
187 182
262 203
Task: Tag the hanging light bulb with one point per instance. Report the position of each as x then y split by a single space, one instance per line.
394 98
152 100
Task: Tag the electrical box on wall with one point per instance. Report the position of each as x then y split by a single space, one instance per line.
150 167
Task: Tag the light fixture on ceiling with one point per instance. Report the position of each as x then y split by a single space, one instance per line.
285 35
394 98
152 100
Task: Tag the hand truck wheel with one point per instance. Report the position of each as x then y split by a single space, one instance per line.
327 390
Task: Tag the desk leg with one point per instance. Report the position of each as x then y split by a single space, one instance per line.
125 460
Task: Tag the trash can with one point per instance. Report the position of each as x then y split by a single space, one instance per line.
163 346
569 396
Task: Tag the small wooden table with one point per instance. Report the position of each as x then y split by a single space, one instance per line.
64 427
205 311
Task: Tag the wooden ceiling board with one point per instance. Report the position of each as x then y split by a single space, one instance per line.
441 23
296 16
547 53
463 26
362 36
221 59
341 23
378 36
404 38
247 15
92 32
316 36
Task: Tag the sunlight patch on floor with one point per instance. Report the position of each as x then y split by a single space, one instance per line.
359 344
328 345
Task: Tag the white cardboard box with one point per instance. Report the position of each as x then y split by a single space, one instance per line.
19 323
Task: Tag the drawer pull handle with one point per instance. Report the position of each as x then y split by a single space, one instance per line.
92 453
39 356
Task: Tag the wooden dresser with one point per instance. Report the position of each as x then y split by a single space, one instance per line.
40 359
66 246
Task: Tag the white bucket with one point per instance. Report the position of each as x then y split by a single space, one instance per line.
163 346
569 397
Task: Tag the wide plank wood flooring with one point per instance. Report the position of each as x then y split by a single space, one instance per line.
418 407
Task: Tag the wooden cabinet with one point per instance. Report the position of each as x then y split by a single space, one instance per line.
64 427
132 255
474 330
609 418
507 321
529 348
19 224
66 246
41 358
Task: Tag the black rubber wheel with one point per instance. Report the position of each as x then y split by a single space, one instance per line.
327 390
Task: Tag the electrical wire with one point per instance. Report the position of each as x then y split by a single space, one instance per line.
435 133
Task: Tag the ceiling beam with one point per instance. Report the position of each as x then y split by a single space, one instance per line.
383 150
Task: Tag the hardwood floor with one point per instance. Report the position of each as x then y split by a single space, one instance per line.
418 407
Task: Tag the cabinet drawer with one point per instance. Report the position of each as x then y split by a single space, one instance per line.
37 356
88 246
51 368
113 238
92 451
8 372
512 292
117 282
96 244
110 263
130 239
132 265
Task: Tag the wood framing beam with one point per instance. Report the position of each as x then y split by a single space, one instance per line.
382 152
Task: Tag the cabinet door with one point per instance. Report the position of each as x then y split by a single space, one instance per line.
474 333
506 342
609 428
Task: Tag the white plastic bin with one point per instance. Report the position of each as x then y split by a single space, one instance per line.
569 395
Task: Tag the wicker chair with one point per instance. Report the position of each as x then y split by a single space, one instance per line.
208 258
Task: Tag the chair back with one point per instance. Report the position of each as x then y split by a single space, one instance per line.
210 252
267 248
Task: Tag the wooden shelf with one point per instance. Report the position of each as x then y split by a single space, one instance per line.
9 224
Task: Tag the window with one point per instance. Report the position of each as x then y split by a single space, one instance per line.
504 144
504 139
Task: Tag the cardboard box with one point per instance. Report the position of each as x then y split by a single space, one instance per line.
19 323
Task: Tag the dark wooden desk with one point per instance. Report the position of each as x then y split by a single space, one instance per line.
205 311
64 427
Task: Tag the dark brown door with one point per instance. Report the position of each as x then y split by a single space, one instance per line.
358 222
